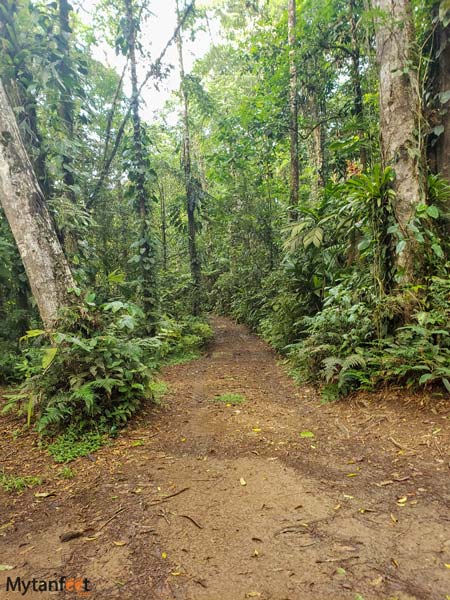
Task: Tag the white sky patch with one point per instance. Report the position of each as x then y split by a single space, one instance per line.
155 33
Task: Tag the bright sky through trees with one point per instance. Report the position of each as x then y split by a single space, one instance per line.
157 30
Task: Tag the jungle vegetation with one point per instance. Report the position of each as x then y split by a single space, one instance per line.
303 189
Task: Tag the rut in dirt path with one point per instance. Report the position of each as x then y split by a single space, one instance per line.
224 502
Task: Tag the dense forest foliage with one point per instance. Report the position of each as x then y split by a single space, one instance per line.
303 190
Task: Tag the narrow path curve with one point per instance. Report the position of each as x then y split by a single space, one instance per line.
217 502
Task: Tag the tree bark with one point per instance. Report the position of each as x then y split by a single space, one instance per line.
189 182
355 70
66 104
20 97
32 227
147 258
442 148
293 111
400 120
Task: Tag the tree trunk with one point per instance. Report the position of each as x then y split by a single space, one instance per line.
21 98
442 148
400 121
147 256
293 111
355 70
32 227
163 225
189 182
66 104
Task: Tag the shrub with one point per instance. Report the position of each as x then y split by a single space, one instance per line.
92 371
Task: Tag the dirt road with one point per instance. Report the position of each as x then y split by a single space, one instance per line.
276 498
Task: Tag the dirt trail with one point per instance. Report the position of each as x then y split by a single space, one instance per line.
216 502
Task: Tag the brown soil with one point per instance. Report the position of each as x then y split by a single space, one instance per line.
216 502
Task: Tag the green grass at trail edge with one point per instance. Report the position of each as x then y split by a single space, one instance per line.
70 445
230 398
16 483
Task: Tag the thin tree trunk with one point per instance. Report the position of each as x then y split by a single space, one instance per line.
189 183
358 109
400 121
293 111
66 104
32 227
163 226
147 262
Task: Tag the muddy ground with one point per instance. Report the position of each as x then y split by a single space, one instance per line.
198 500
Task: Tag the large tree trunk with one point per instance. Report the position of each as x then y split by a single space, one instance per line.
32 227
400 121
293 111
189 182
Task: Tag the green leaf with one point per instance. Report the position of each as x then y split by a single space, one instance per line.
49 355
31 333
433 211
425 377
437 250
400 246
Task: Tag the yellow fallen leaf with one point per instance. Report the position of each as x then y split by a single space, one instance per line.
252 595
256 429
352 474
89 539
120 543
6 567
176 573
183 439
394 518
402 500
164 555
242 481
337 507
447 565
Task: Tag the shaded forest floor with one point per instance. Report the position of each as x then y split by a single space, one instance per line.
198 500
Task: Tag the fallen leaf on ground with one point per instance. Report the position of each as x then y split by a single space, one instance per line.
6 567
44 494
242 481
120 543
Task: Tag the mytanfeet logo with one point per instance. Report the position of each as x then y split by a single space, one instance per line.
81 586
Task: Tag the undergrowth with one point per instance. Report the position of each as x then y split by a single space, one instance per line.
88 377
17 483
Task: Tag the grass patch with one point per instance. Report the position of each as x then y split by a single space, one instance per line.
233 399
16 483
158 389
180 359
70 445
66 473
